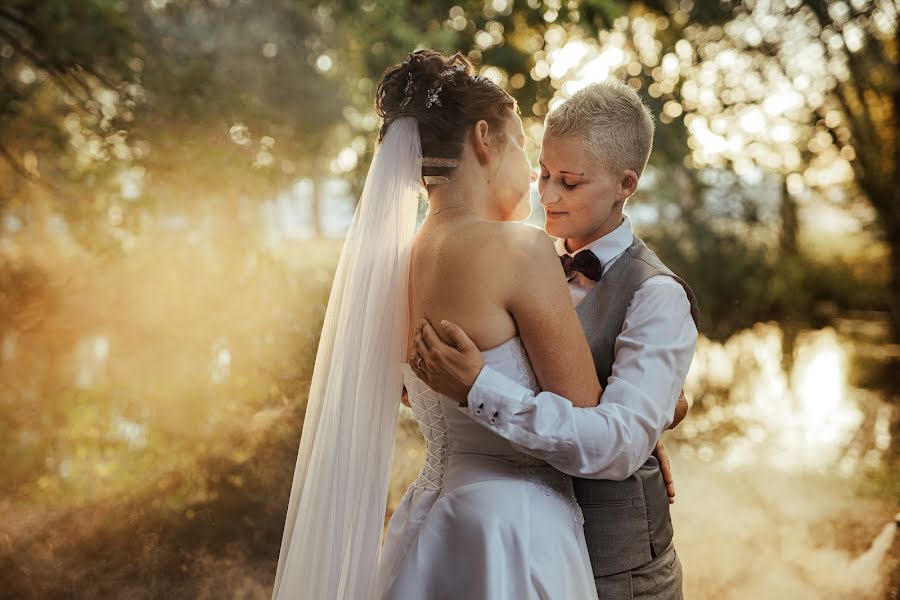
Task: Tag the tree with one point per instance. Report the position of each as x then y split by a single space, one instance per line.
867 94
56 56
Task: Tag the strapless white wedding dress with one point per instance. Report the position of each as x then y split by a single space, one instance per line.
482 521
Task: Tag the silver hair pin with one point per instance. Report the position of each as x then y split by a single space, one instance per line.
433 97
407 92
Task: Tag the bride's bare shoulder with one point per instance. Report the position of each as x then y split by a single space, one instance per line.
513 235
520 243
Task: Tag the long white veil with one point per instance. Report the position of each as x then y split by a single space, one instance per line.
335 517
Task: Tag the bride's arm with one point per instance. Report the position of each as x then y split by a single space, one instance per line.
404 397
539 302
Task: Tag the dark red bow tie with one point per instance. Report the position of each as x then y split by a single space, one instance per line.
585 262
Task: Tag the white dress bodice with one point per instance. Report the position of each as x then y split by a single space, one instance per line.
451 436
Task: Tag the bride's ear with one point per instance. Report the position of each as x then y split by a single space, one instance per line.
480 143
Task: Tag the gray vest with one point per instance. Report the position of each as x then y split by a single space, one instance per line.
627 523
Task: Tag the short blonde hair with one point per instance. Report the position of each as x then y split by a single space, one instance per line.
612 120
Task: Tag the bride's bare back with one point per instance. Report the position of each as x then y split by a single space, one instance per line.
458 272
497 280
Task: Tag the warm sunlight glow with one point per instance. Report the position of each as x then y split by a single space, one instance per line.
818 382
801 421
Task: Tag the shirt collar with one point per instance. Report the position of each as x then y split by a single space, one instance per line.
607 247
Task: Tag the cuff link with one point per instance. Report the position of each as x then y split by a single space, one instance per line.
478 410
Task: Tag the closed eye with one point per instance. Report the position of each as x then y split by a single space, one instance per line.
568 186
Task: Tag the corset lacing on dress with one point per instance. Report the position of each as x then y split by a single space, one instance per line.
426 406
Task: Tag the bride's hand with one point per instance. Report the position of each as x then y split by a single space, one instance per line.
666 469
448 370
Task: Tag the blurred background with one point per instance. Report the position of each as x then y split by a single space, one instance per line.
175 180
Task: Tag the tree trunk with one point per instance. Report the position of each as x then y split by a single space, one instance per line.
893 237
789 222
892 223
688 198
315 206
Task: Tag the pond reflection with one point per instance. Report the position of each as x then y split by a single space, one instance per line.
755 406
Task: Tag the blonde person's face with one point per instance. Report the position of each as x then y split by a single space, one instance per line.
580 195
512 181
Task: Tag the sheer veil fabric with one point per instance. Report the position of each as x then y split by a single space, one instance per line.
335 516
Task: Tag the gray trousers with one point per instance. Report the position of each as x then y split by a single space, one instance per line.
659 579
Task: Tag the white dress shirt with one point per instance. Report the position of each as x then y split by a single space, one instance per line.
652 356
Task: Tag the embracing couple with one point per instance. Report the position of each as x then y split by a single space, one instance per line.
541 389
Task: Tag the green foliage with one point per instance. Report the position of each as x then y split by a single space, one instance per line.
739 282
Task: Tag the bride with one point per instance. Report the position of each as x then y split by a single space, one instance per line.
482 521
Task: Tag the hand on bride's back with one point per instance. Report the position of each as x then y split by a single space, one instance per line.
447 369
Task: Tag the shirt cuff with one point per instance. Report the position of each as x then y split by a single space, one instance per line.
491 396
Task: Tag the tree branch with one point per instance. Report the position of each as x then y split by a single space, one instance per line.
20 21
58 75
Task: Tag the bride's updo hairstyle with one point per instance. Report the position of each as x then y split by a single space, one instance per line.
446 97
